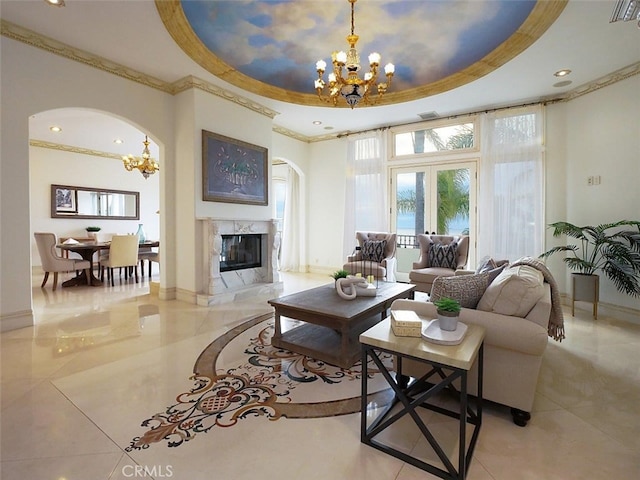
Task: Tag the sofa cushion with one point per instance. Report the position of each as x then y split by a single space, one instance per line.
514 291
428 275
443 256
467 289
374 250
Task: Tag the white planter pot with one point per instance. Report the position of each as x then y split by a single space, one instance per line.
448 322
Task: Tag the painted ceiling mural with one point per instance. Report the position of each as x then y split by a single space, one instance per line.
276 43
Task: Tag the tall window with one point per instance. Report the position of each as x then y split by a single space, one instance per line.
511 223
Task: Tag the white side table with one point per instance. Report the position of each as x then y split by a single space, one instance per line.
449 363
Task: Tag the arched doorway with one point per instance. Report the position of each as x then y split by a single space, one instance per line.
83 147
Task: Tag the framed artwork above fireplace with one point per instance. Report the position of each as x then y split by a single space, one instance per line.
233 171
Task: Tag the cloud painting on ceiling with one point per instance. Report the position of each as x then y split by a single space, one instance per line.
278 42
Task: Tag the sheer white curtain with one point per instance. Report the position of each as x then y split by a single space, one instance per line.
511 190
292 227
366 191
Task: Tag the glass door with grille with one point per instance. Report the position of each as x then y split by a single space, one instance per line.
437 199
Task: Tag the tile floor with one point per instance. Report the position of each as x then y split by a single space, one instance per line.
77 387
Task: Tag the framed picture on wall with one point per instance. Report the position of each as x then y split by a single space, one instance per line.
65 200
233 171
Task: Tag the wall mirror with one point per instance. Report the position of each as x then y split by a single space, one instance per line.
82 202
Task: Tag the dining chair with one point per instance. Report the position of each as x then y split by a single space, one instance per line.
53 262
123 252
147 253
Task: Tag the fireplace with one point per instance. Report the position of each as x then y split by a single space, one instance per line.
239 260
240 252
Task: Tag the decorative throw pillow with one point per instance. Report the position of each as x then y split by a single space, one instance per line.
443 256
486 263
373 250
493 274
514 292
467 289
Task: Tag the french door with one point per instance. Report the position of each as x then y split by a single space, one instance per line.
437 199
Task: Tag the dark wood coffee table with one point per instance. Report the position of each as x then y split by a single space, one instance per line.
332 324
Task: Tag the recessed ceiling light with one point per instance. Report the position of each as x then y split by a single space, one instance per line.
118 141
317 122
55 3
562 73
55 129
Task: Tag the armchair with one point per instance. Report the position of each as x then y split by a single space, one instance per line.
376 256
440 256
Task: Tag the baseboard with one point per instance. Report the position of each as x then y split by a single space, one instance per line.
15 320
618 312
322 270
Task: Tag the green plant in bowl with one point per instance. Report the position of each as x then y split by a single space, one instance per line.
340 274
448 311
93 229
446 304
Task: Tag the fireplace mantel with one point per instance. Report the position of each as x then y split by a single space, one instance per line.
223 287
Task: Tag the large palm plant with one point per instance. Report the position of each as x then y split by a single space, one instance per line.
607 247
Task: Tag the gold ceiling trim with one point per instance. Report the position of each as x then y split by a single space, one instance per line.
71 149
544 13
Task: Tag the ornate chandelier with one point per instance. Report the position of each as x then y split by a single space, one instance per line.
146 164
352 88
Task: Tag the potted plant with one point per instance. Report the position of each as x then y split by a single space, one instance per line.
92 232
448 312
340 274
608 247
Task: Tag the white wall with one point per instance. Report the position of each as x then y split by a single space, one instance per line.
326 205
222 117
602 138
49 166
31 82
596 134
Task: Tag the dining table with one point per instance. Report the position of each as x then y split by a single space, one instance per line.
86 251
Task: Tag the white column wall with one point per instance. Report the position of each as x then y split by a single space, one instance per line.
34 81
226 118
326 205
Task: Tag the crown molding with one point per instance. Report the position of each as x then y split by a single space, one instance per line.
190 82
610 79
24 35
72 149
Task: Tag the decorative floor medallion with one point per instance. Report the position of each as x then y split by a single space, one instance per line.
267 382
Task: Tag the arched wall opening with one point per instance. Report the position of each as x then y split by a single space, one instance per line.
292 256
85 150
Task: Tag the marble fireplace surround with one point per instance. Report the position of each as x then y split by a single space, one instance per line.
221 287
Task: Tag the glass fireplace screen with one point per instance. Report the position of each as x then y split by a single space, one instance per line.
240 252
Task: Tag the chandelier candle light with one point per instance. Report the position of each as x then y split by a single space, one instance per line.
146 164
353 88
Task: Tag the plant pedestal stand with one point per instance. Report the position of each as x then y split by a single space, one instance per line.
585 288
